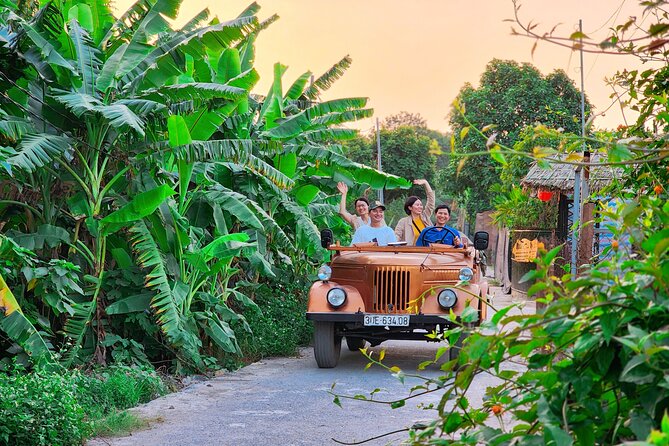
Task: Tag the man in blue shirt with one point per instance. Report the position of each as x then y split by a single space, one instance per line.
440 233
377 231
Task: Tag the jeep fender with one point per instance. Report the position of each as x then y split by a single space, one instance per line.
431 306
318 302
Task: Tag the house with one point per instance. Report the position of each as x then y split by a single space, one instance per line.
556 182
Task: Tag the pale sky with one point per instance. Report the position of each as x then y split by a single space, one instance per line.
416 55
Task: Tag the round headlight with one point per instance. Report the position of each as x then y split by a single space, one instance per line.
336 297
466 274
447 299
324 272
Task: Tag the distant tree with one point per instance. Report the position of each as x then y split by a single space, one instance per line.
404 118
511 96
404 152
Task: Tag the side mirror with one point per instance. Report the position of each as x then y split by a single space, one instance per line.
326 237
481 240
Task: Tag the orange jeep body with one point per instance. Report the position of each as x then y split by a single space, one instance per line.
392 293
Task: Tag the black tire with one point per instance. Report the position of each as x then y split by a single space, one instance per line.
355 344
327 346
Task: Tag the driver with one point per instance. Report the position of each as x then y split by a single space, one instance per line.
435 234
377 231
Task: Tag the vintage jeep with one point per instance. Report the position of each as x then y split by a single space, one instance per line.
373 293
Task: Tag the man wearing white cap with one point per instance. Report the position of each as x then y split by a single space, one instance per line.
377 231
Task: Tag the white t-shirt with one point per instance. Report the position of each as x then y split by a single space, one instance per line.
382 235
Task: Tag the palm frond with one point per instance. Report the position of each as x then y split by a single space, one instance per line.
47 50
238 151
304 120
143 14
77 103
37 150
143 107
341 117
337 134
77 327
331 163
247 212
121 117
20 330
335 106
166 303
307 234
296 90
250 10
199 90
197 21
214 38
14 127
88 61
328 78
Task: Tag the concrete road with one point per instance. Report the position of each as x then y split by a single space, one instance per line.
285 401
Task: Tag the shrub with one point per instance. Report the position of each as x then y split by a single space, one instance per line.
278 324
118 387
40 408
59 408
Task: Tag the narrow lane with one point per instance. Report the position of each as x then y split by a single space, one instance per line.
284 401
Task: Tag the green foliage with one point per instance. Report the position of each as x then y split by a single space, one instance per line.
63 408
146 180
278 324
405 153
509 98
40 408
517 210
107 390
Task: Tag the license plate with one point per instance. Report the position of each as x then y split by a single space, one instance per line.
382 320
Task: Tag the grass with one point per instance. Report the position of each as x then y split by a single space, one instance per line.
119 424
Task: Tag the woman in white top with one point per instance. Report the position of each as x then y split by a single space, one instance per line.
361 208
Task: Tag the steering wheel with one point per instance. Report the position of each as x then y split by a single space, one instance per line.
444 229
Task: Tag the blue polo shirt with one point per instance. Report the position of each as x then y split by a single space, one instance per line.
382 235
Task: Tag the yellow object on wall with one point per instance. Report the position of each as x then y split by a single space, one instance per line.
525 250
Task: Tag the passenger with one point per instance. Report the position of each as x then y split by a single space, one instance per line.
408 228
376 231
435 234
361 208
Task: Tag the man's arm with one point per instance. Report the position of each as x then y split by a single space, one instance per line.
343 188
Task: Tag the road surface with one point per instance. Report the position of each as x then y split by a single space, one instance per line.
285 401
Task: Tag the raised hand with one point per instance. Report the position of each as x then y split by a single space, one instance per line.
342 187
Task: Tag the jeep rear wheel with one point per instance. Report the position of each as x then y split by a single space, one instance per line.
327 345
354 344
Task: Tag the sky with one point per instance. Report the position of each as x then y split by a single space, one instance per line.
416 55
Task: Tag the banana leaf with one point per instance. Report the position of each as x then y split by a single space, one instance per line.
20 330
139 207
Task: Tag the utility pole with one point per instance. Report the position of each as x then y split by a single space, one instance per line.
576 210
378 155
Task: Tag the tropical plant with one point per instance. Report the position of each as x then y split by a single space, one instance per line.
136 153
517 210
510 97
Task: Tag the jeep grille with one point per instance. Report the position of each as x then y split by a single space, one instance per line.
391 289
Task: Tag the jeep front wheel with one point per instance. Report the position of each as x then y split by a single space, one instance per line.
327 345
